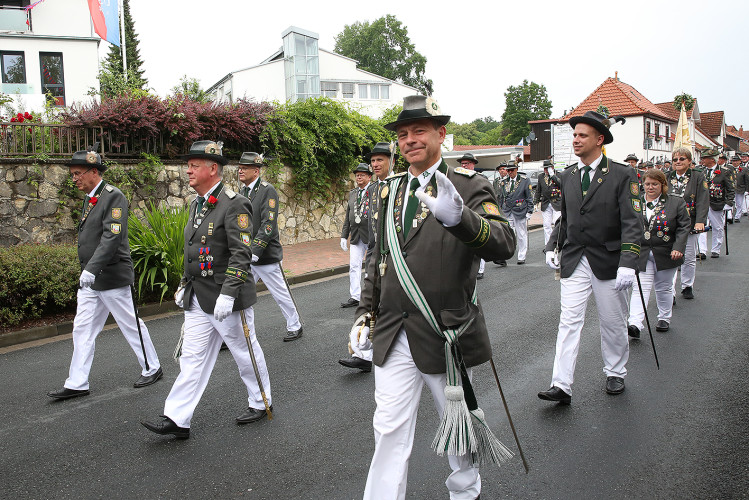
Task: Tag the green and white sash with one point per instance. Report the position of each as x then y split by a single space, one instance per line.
462 430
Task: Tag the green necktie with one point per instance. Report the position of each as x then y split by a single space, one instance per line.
512 185
201 200
586 179
413 202
650 205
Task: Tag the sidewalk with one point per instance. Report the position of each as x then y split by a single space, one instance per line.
302 262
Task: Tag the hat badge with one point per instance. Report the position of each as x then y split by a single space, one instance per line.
432 107
258 159
91 157
214 148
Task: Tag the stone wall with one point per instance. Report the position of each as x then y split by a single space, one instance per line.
32 212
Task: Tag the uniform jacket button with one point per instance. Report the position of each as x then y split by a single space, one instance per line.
582 211
189 260
189 243
405 314
405 255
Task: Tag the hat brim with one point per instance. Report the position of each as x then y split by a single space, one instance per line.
99 166
600 127
221 160
475 161
404 118
369 156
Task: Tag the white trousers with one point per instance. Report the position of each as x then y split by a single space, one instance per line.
716 219
272 276
612 317
520 225
662 282
689 267
91 314
703 243
740 205
357 251
550 217
398 385
203 337
482 265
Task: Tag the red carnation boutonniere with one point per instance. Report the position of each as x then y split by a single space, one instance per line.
211 202
717 172
93 201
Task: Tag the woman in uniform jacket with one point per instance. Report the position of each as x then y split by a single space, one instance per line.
666 226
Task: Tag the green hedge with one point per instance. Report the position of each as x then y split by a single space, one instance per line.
38 280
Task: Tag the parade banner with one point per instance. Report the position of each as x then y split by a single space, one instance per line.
682 131
105 14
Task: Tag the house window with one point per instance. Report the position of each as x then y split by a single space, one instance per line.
347 90
668 133
13 67
657 129
53 78
329 89
385 92
647 127
362 91
374 91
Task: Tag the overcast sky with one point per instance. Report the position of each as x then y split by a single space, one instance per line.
475 50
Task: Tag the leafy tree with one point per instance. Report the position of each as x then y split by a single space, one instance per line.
111 78
384 48
485 124
527 101
190 88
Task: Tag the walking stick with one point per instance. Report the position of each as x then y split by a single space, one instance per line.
725 228
254 363
647 320
509 418
137 322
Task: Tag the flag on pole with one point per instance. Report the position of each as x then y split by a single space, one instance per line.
682 131
105 15
521 142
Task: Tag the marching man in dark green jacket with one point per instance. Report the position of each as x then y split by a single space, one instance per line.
106 278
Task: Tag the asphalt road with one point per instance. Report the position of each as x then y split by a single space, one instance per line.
677 432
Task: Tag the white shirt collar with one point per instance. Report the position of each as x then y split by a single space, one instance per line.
252 184
207 193
91 194
426 175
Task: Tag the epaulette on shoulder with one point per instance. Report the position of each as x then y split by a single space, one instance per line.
395 176
231 194
265 184
465 171
109 188
570 166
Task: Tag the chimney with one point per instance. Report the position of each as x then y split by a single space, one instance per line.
616 76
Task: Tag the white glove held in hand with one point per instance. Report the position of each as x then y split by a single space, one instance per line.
344 246
354 339
625 278
727 207
551 260
447 207
86 279
224 305
179 296
255 258
528 215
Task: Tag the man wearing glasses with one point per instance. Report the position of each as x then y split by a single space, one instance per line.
690 184
106 278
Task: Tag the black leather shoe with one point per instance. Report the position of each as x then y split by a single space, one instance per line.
293 335
145 380
715 255
687 293
501 263
673 302
661 326
703 256
737 221
224 347
66 393
354 362
555 394
252 415
480 276
614 385
730 221
167 426
633 331
521 262
352 302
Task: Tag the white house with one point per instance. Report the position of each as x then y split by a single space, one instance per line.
300 69
50 48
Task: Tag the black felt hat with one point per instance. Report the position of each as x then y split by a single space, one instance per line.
363 167
253 160
598 122
418 107
468 157
631 156
209 150
88 159
381 148
709 153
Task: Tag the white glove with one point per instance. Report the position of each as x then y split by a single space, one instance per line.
255 258
551 260
353 339
625 278
224 305
528 215
86 279
447 207
179 297
727 207
344 246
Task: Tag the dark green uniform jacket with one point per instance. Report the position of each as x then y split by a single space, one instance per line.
669 231
266 243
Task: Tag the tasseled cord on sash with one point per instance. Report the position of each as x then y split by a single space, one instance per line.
463 428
